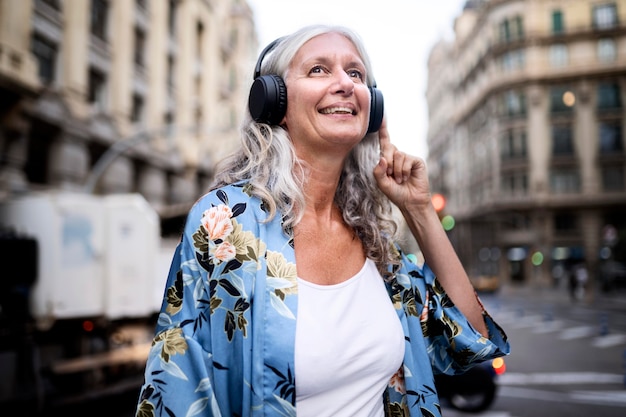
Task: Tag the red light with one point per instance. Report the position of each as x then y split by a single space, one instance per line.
88 325
439 202
498 366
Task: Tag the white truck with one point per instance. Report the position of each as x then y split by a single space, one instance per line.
83 279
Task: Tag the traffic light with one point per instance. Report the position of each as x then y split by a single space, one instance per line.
448 222
439 203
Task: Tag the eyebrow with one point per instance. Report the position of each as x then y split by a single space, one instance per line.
326 60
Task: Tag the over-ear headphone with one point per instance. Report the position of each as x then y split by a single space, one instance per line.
268 97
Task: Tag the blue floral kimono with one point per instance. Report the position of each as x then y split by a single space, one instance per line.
224 343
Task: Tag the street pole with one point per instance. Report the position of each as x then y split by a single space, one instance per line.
121 146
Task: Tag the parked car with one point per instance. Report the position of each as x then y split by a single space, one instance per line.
474 390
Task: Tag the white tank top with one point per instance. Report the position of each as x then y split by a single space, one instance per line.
349 343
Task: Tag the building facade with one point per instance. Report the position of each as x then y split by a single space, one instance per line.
118 96
526 136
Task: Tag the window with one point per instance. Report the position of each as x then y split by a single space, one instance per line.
170 71
564 180
605 16
46 54
97 89
171 22
562 99
557 22
512 29
52 3
562 140
610 137
505 31
609 96
513 144
558 55
136 115
513 60
99 18
607 51
140 46
514 183
565 222
514 103
200 38
168 121
198 120
613 178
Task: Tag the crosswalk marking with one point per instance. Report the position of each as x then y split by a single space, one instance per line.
604 397
540 324
578 332
609 340
553 386
559 378
527 321
453 413
612 398
549 327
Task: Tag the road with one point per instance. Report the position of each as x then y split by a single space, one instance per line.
567 358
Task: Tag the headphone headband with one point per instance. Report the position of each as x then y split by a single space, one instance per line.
265 51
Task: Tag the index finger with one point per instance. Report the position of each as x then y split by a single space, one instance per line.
383 135
386 148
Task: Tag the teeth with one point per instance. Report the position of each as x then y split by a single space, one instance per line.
335 110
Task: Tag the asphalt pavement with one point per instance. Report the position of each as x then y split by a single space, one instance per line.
568 355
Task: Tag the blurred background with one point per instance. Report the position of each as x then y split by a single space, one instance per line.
113 114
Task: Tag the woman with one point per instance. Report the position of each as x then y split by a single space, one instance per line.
287 293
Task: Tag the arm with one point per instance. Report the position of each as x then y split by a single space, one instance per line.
404 180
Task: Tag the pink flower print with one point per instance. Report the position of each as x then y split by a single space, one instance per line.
397 381
225 252
216 221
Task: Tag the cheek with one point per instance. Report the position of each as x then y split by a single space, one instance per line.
365 98
297 106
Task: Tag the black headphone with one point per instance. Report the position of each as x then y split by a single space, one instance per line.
268 97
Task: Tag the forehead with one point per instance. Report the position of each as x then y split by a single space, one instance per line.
329 46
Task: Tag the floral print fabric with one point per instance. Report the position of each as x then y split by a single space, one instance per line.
224 343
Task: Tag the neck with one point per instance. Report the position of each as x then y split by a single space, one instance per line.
321 185
323 167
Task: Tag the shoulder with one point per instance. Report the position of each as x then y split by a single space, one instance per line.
232 195
236 200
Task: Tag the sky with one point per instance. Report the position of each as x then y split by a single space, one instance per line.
398 35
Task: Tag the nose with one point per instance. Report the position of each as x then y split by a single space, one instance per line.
342 84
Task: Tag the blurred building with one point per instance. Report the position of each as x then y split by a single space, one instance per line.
157 87
526 135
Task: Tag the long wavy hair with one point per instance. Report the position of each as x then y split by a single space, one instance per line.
267 161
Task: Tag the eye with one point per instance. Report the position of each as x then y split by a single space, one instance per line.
317 69
354 73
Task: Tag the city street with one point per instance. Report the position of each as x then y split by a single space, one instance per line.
567 358
125 126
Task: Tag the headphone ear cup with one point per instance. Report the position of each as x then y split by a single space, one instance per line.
268 99
377 110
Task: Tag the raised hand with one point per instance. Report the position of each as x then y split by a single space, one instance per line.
401 177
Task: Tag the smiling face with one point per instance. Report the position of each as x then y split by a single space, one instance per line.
329 101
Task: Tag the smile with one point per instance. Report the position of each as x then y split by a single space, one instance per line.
337 110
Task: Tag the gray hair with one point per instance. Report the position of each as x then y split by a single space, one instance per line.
267 161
